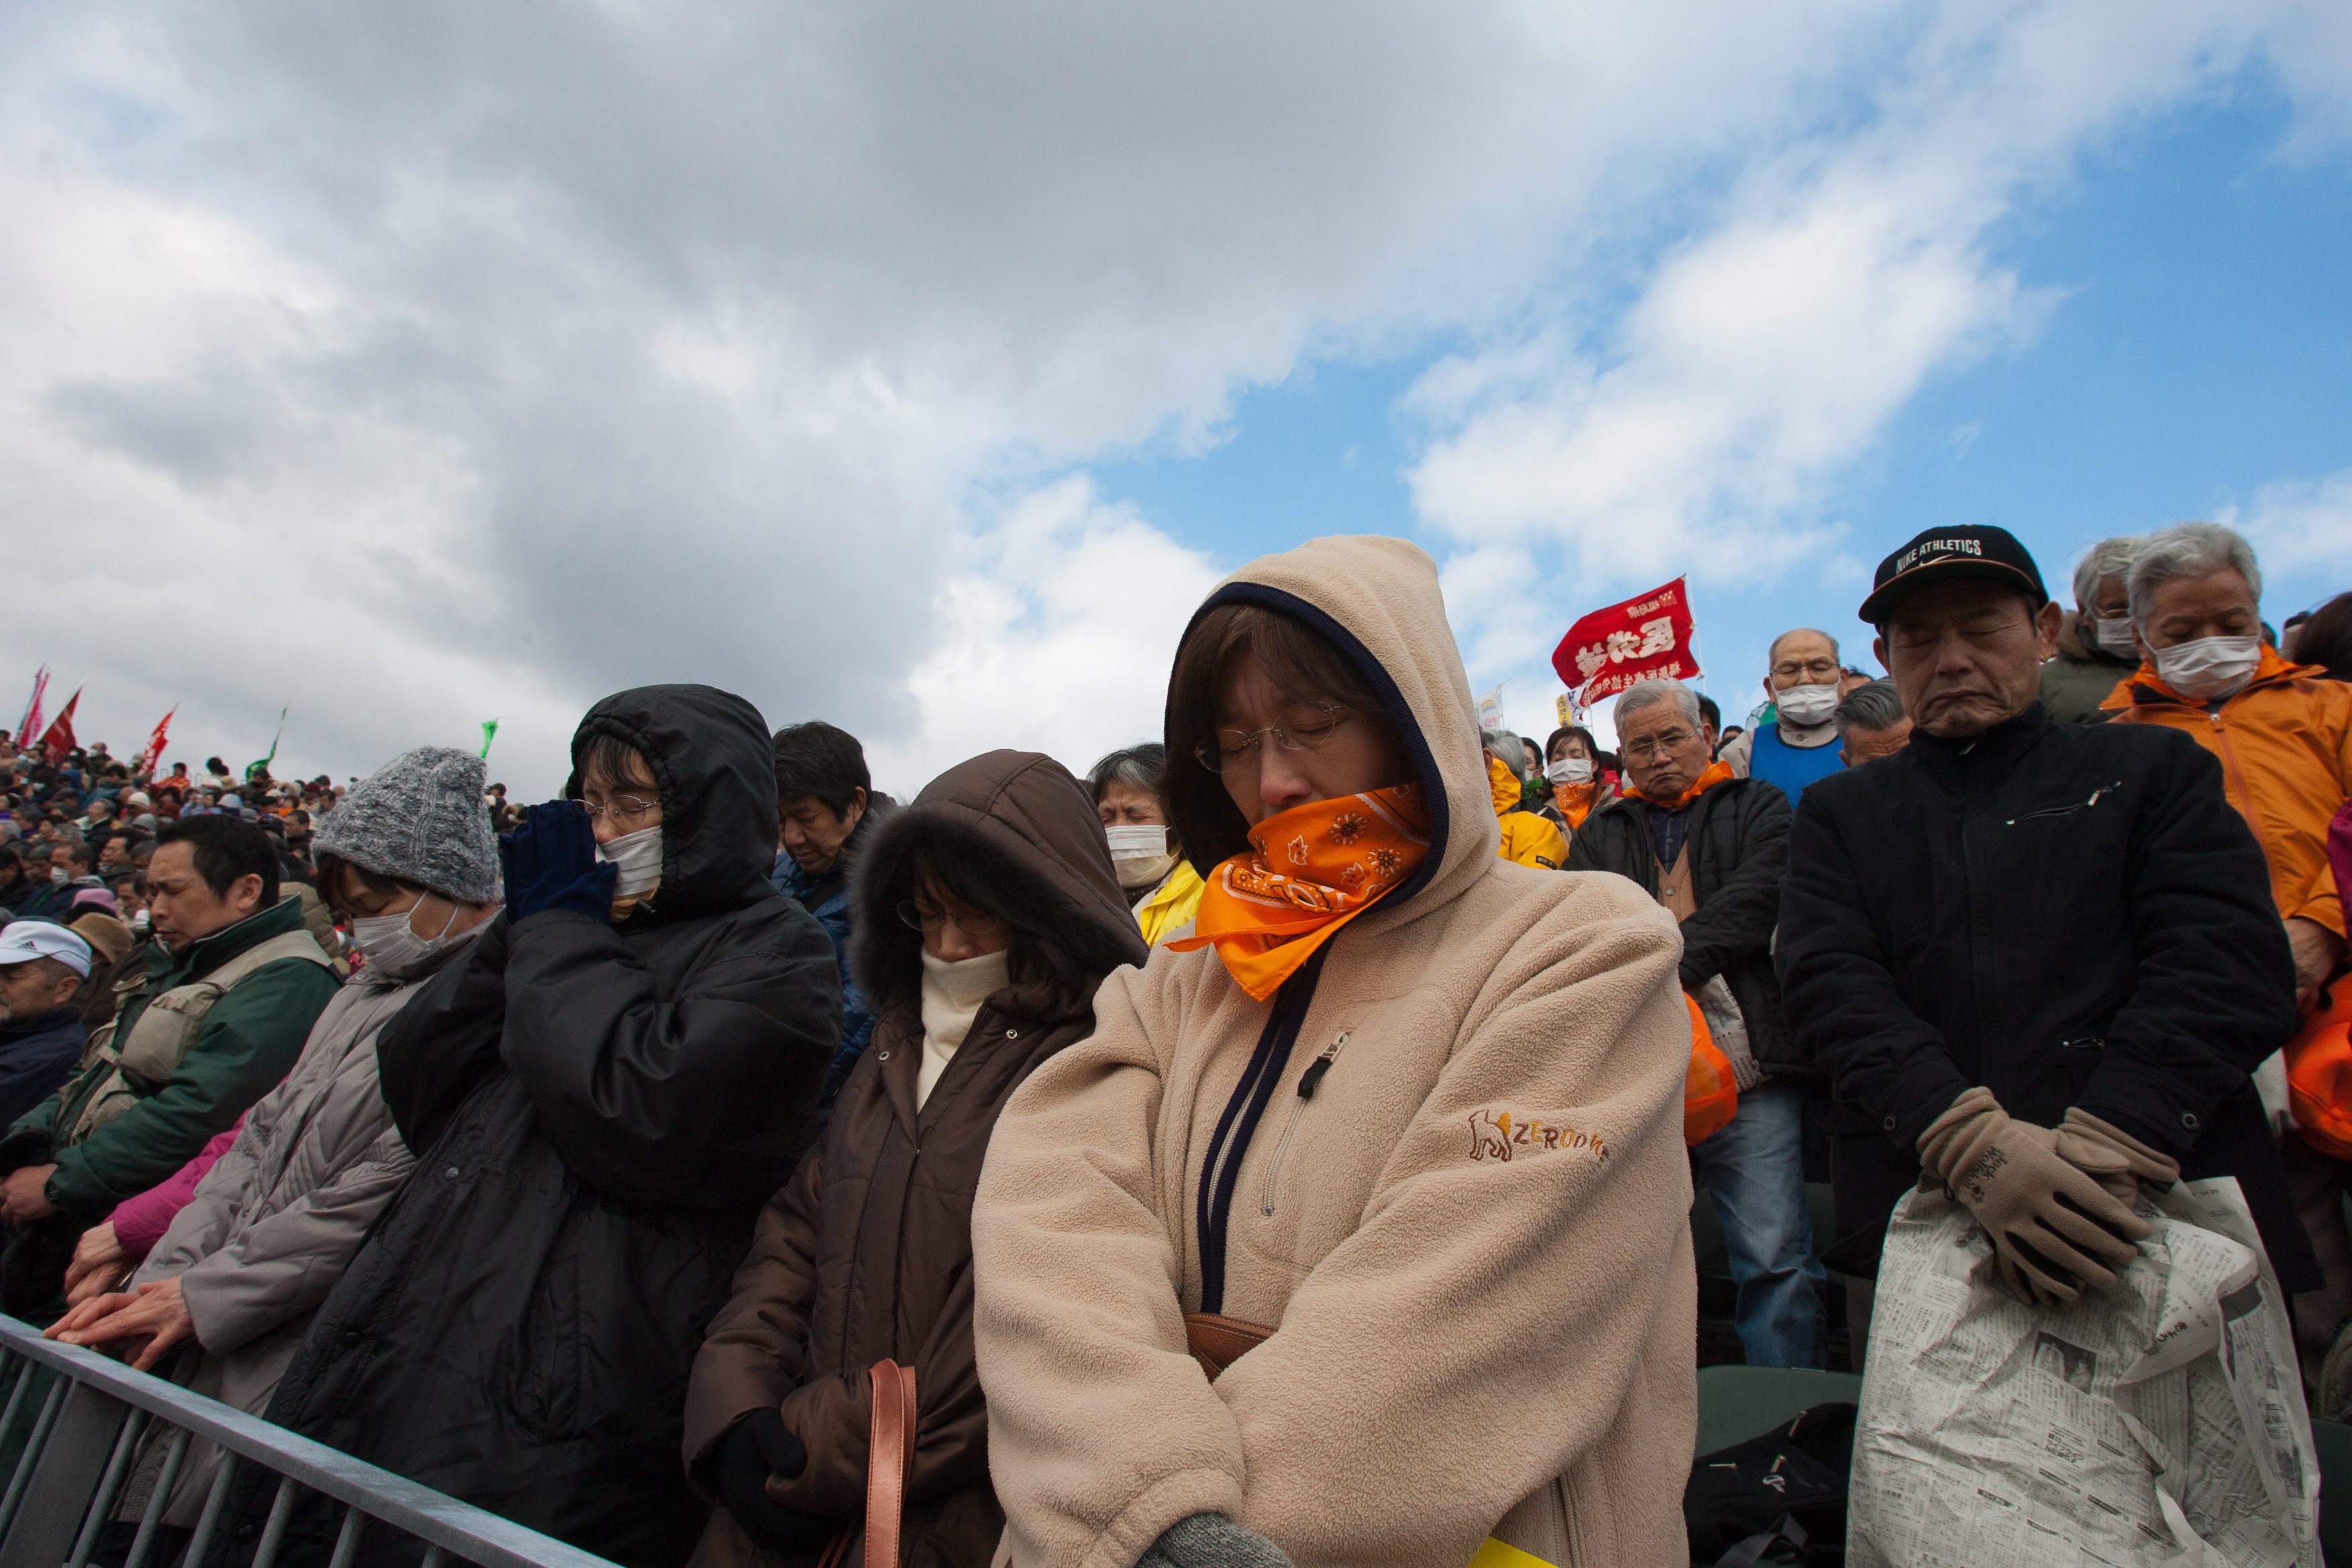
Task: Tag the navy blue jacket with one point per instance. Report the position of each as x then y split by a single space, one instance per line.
37 1056
825 895
2066 914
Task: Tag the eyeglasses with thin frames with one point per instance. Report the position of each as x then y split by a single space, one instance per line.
1659 744
622 808
1240 748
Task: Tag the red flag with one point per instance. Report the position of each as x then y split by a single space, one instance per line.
1647 637
58 738
154 752
31 726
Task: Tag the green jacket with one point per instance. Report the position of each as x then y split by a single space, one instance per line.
248 1041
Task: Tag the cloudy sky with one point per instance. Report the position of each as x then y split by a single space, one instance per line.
918 367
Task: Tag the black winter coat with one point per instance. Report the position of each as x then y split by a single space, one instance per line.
599 1112
2068 915
1738 848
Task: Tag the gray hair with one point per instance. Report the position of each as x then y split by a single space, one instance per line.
1513 750
1877 705
1138 767
2107 558
2188 549
1649 694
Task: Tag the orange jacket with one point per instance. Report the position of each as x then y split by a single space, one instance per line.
2285 747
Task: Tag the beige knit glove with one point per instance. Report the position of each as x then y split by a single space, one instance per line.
2053 1228
2113 1157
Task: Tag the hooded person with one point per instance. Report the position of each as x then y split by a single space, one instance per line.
988 912
600 1096
1403 1116
268 1227
1528 836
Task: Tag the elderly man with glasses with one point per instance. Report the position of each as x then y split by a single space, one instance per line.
1805 681
1711 847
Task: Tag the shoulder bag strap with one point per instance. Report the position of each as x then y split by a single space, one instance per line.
889 1457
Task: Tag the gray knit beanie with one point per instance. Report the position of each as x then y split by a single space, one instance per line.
419 819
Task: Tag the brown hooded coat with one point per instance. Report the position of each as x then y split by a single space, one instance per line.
1471 1237
867 1252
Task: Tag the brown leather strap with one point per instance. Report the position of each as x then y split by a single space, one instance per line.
1217 1342
890 1454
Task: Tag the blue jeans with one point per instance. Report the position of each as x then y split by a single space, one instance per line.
1755 1170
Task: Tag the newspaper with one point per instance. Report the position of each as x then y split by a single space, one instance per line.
2158 1421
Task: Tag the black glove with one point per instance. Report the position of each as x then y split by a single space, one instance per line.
760 1445
551 864
1212 1541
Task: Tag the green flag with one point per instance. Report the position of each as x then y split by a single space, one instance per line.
489 734
263 765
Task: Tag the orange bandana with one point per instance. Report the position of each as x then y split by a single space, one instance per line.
1720 772
1574 802
1337 857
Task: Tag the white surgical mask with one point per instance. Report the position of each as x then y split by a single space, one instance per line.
389 943
1570 771
1138 853
2115 636
2209 669
639 857
1805 705
139 921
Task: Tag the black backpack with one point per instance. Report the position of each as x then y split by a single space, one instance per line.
1779 1497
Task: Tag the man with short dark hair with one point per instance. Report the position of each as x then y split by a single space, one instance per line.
2037 960
68 873
245 982
825 803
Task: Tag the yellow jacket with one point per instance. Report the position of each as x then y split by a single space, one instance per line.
1529 839
1168 910
2285 747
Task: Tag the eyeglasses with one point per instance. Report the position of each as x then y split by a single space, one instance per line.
930 923
1660 744
1238 748
623 807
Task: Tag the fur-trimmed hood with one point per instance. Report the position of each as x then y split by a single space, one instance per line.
1032 830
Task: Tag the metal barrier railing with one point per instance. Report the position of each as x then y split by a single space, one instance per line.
89 1422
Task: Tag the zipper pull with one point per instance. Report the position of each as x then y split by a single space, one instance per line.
1312 1079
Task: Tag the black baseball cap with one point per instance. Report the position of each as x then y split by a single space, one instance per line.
1941 554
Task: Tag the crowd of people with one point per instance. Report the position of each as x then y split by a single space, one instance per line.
1272 1146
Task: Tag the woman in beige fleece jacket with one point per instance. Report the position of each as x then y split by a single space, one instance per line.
1443 1162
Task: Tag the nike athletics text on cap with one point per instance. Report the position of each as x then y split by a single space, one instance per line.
26 941
1941 554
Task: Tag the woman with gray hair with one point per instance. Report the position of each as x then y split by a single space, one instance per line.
1160 884
2096 648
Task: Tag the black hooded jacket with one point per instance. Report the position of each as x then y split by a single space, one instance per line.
1738 848
2066 914
599 1111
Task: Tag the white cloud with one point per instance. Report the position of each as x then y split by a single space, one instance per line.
2302 534
1059 626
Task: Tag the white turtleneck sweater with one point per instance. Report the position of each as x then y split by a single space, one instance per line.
952 995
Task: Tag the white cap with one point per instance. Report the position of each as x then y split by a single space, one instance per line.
26 941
